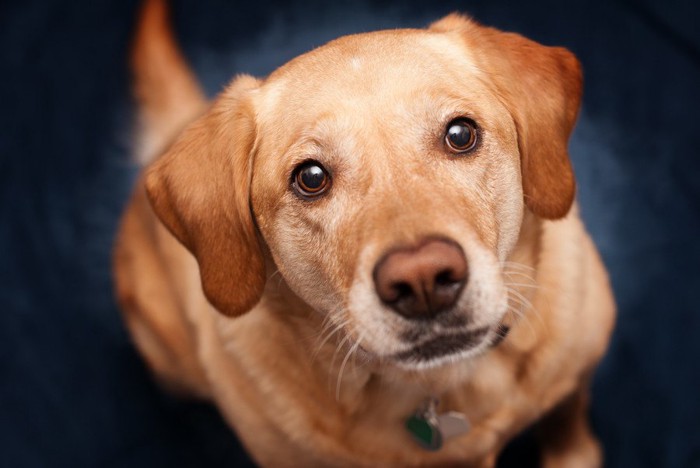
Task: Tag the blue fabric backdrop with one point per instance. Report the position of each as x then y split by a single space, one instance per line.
73 391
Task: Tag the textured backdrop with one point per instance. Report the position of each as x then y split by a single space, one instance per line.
72 390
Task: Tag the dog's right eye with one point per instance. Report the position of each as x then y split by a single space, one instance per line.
310 179
461 135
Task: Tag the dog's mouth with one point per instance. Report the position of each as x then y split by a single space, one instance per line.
442 346
449 347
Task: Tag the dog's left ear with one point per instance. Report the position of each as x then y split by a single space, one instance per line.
541 86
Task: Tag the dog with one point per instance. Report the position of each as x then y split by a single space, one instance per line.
373 256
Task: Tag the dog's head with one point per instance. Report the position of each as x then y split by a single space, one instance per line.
387 175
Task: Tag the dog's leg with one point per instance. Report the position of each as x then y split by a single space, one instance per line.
565 435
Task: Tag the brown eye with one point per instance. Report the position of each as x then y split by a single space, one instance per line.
311 179
461 135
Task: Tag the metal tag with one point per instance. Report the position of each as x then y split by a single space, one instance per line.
452 424
430 430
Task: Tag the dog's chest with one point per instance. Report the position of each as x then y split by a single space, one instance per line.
307 424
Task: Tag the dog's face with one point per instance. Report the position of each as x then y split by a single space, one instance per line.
414 173
387 175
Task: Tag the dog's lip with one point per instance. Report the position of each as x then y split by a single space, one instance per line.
443 345
501 334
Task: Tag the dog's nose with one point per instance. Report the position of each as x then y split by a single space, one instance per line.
421 282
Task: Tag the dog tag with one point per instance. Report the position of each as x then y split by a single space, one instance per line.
425 432
452 424
430 430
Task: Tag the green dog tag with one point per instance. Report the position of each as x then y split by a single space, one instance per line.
431 429
425 432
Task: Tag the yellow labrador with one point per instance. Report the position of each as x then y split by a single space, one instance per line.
371 257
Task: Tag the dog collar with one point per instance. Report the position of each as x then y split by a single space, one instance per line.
430 429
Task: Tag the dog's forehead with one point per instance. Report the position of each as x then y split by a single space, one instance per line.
391 49
367 69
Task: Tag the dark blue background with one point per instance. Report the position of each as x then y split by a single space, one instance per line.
73 391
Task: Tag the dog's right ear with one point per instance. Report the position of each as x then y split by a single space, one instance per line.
200 190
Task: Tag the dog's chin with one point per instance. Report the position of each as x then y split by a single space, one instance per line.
446 349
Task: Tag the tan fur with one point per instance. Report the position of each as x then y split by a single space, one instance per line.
304 373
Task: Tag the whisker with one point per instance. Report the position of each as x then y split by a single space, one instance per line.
339 347
352 350
519 273
519 296
279 279
521 317
276 272
534 283
525 303
337 350
330 316
534 286
511 264
328 322
338 327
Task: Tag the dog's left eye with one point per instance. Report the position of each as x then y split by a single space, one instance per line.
310 179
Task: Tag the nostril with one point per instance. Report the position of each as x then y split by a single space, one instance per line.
402 290
446 277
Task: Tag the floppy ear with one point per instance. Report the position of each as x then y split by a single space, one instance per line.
200 191
541 86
